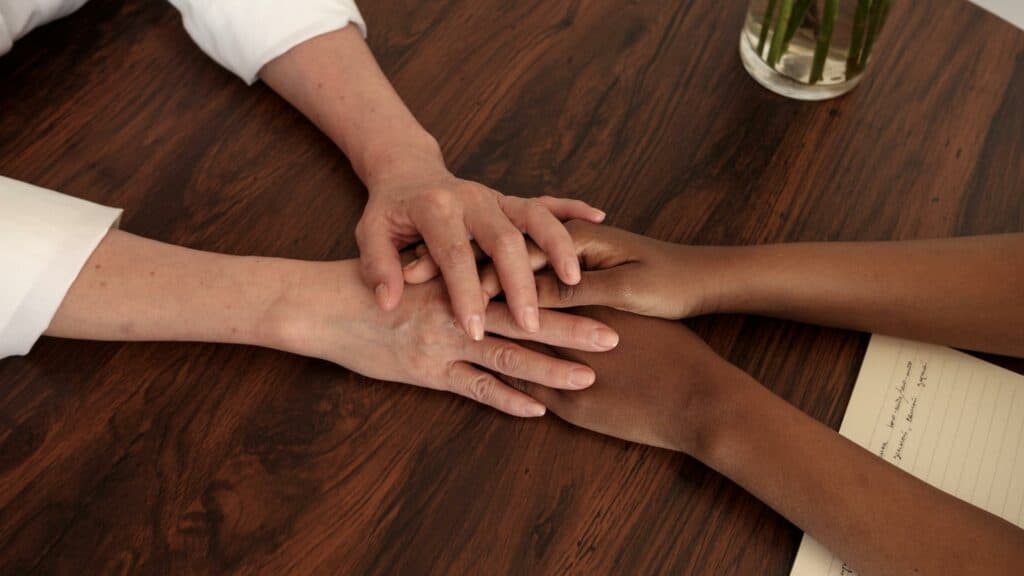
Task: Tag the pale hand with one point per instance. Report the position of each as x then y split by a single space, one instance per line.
417 197
327 313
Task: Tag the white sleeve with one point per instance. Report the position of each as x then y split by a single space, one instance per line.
45 239
243 35
19 17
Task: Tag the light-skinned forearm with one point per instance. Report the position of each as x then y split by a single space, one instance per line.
966 292
133 288
335 81
874 516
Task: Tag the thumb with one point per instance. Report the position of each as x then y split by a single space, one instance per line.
597 288
381 267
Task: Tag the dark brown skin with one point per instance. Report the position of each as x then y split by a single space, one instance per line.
665 387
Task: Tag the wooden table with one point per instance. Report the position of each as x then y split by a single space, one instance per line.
192 458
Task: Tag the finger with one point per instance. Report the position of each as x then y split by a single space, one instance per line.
552 398
567 209
505 244
480 386
381 265
557 329
447 241
489 281
509 358
536 220
423 268
598 288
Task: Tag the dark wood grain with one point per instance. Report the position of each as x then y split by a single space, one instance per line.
202 459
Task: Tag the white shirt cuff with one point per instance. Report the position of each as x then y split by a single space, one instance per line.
243 35
45 239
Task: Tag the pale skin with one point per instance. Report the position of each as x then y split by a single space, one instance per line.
133 288
336 82
124 292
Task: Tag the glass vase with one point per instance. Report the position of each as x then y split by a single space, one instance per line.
810 49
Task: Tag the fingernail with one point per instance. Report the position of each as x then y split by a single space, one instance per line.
535 410
572 271
580 377
411 264
531 321
476 327
382 294
601 215
605 338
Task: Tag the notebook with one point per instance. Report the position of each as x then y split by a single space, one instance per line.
1010 10
952 420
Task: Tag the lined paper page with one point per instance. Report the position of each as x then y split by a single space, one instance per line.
952 420
1010 10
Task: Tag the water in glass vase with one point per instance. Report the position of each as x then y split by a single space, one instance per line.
810 49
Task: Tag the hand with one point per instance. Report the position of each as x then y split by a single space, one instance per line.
418 197
327 313
622 270
661 386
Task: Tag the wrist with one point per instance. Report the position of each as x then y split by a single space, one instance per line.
718 412
739 414
730 275
716 279
312 299
414 153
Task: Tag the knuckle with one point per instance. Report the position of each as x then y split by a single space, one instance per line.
458 254
509 242
505 359
479 388
421 364
363 228
439 201
538 214
536 206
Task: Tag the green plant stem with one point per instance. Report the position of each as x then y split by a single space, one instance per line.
857 38
799 14
879 10
765 25
828 24
779 34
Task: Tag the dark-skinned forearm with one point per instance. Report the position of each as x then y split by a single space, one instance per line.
964 292
877 518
